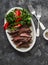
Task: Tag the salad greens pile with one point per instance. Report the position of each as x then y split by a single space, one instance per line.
18 18
10 18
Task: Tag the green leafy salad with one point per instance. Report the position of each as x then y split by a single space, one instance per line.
17 18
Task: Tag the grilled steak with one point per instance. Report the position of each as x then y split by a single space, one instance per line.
24 46
15 35
26 40
25 35
23 39
13 32
17 38
20 43
25 30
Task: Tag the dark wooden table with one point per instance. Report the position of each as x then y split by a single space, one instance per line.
39 54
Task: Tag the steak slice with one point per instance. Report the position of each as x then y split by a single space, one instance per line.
25 35
20 43
25 40
13 32
24 45
17 38
22 39
15 35
25 30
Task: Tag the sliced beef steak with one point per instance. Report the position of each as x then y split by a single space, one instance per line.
22 39
25 30
13 32
24 45
25 35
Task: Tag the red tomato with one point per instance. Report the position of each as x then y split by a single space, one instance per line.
18 12
19 19
19 25
6 25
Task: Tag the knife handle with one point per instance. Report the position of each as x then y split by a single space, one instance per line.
42 26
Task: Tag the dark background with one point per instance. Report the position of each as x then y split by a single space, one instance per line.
39 54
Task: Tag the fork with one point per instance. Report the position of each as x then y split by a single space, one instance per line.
32 10
38 17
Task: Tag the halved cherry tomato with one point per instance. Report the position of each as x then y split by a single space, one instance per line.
18 12
6 25
19 25
19 19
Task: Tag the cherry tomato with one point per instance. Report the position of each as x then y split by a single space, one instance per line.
19 19
6 25
19 25
18 12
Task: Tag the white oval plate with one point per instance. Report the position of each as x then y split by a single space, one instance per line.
33 35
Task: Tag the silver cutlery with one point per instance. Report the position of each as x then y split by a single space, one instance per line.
38 17
32 10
